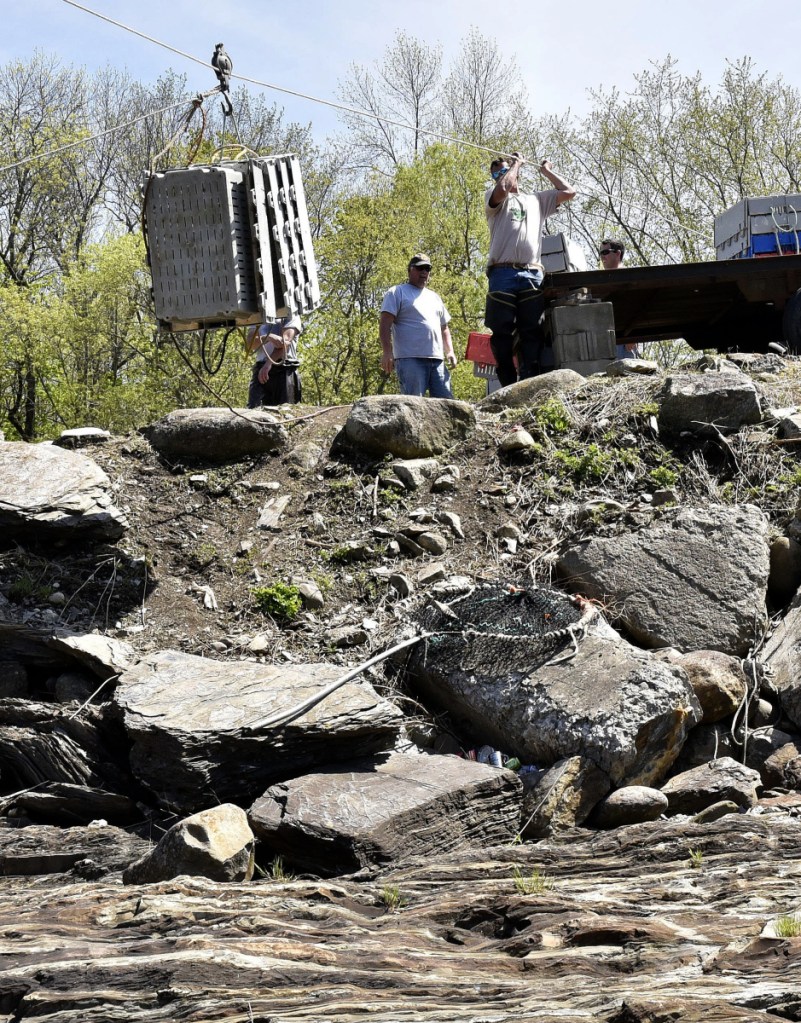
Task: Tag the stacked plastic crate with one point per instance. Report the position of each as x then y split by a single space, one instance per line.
229 244
763 226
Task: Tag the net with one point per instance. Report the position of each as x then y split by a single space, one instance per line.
496 628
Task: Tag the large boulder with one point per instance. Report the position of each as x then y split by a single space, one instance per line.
708 403
215 843
533 390
47 491
407 426
782 655
217 434
587 694
701 787
361 815
694 578
196 733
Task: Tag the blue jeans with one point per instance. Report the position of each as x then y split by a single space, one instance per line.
416 376
514 307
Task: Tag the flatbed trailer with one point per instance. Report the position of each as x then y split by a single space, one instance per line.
742 304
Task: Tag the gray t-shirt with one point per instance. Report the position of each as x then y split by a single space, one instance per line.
278 327
420 315
516 225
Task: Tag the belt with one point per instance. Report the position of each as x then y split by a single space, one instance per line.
517 266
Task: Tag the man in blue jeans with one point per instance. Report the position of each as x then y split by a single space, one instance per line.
415 339
514 302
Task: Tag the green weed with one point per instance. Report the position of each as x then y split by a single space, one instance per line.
26 587
696 858
280 601
534 883
552 416
787 925
392 898
664 477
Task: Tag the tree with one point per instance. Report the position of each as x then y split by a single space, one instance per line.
484 99
403 88
434 205
657 166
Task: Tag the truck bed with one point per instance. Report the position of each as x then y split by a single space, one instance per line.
735 303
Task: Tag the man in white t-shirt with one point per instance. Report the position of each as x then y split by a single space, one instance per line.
514 302
415 339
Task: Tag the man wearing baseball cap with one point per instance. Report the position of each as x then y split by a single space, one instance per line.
415 339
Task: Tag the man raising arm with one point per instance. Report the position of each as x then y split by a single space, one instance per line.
514 302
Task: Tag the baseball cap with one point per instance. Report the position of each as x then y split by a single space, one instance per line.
420 259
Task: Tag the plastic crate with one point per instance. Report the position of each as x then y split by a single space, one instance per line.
762 226
230 244
479 349
199 246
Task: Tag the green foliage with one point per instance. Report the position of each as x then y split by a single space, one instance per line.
552 416
592 463
28 586
204 554
696 858
788 925
533 883
280 600
663 476
277 872
392 898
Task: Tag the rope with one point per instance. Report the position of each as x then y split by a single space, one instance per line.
291 92
90 138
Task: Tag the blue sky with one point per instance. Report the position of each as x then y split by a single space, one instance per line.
562 50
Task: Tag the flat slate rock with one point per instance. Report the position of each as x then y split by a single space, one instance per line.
369 814
43 849
192 723
49 491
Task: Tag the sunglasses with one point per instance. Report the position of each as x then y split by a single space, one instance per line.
605 252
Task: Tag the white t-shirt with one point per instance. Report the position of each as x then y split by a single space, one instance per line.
516 225
420 315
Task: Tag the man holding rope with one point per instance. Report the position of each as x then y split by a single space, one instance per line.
515 304
275 379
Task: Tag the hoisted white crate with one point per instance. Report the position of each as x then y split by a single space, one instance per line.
229 244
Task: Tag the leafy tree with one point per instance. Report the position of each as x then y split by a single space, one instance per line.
434 205
658 165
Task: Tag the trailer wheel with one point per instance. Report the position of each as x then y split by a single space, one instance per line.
791 323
